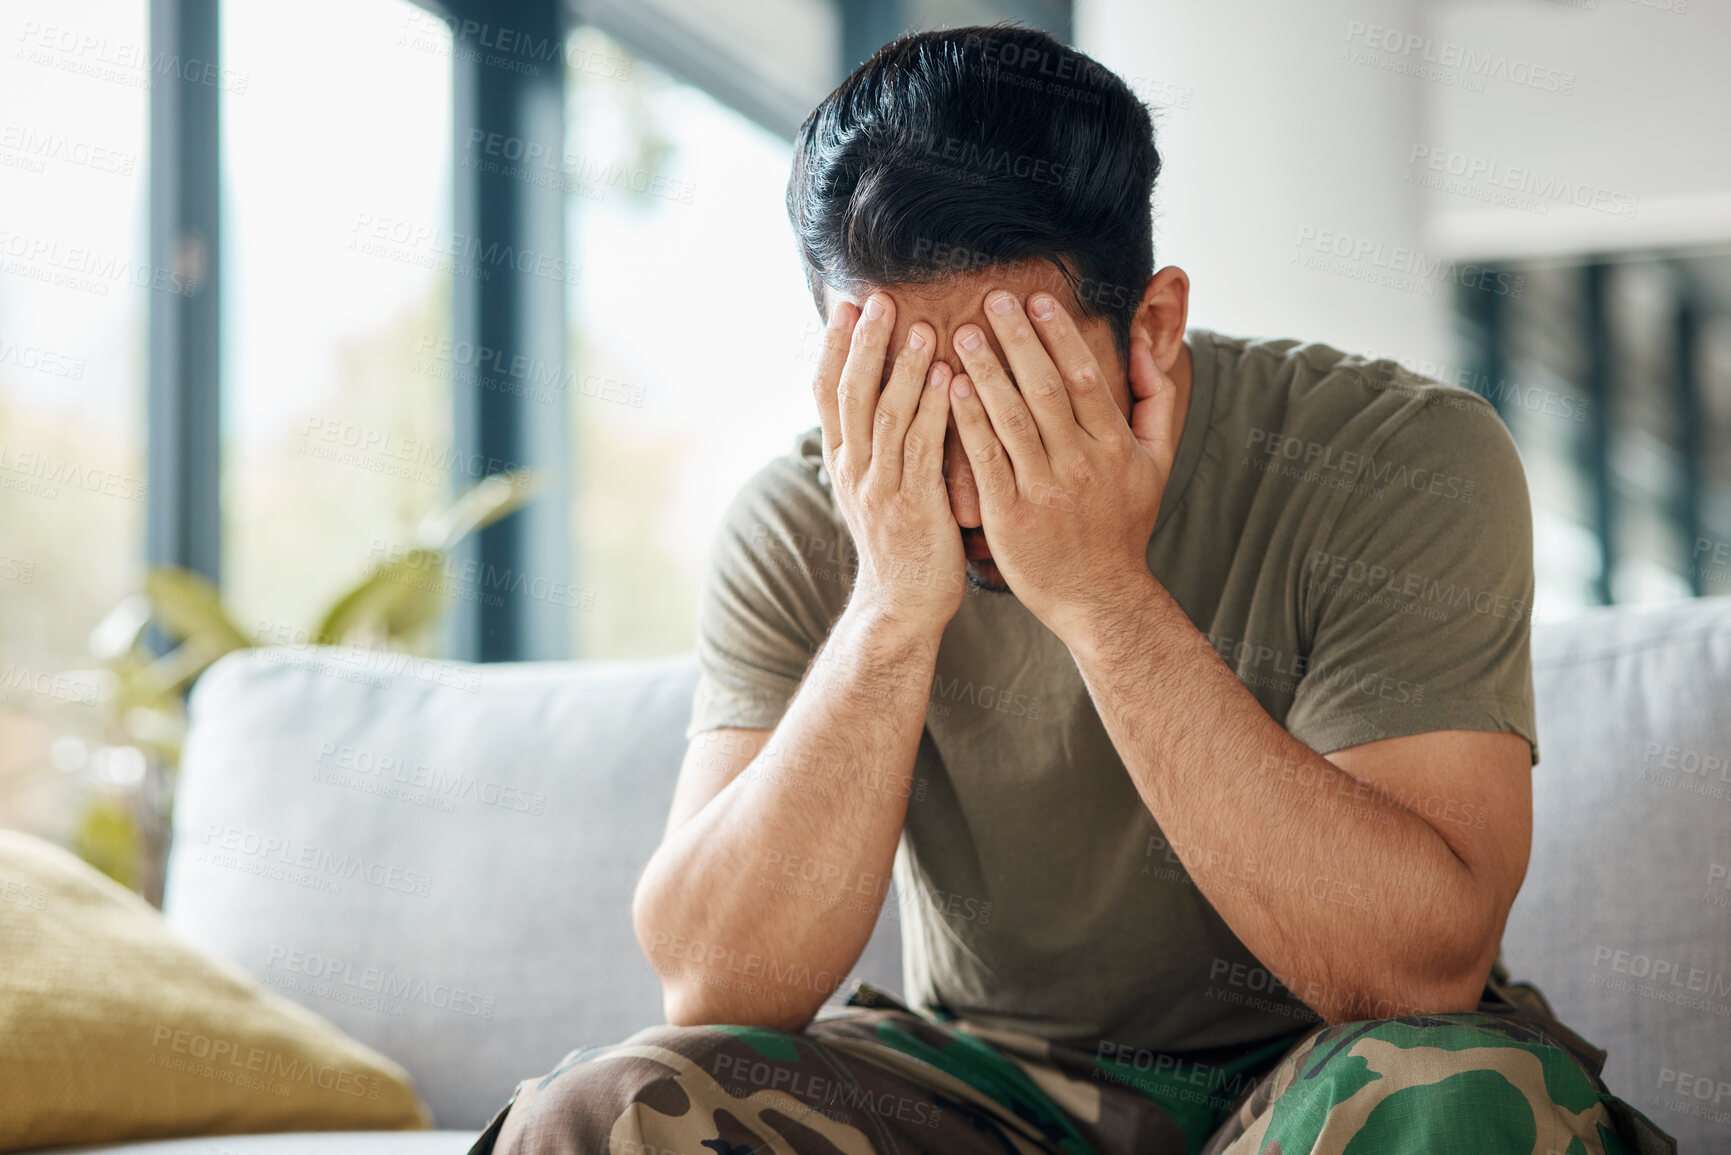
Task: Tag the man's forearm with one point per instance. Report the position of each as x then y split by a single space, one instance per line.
1372 910
756 908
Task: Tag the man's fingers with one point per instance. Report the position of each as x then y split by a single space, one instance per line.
857 394
836 336
1014 426
899 401
923 459
1091 399
994 478
1154 399
1042 388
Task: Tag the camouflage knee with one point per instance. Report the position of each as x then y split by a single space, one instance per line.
1470 1081
688 1090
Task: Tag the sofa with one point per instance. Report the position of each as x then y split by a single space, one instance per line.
528 797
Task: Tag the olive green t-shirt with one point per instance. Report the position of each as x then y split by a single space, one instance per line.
1356 543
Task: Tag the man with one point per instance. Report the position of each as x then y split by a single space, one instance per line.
1182 678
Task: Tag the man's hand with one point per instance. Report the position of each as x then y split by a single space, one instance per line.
884 455
1068 490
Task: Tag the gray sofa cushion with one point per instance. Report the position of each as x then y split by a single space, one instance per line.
437 857
1625 918
527 911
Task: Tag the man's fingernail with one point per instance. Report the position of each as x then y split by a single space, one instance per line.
969 340
1042 308
1001 304
915 341
874 308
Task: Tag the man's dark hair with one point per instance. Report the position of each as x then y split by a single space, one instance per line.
951 151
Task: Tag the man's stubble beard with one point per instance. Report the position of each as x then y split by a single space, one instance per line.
979 585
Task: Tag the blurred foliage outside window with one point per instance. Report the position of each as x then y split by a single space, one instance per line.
691 334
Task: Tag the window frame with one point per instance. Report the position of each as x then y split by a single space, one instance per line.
514 309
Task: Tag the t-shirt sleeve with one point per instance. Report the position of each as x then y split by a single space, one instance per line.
779 573
1418 603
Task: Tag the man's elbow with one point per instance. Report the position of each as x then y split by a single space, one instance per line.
1426 995
691 995
1449 975
1444 986
1425 983
1453 994
688 1004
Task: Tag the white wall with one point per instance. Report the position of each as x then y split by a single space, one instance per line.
1284 121
1277 150
1641 141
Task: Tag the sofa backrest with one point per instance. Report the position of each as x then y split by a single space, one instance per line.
437 857
1625 919
440 857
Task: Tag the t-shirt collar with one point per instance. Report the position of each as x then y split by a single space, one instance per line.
1196 422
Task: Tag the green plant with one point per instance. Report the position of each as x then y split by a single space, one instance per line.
395 602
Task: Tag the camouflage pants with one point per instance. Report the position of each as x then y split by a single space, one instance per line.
877 1078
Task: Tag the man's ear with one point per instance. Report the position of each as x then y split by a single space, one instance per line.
1161 317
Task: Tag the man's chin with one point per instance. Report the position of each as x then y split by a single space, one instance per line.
985 577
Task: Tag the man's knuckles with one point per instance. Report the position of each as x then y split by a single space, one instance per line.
1083 378
1015 420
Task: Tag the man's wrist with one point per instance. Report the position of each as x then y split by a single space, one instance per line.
886 628
875 653
1119 618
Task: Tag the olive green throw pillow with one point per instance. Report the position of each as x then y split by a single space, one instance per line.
112 1029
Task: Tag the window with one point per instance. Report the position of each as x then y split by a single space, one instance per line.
1613 378
337 243
692 336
